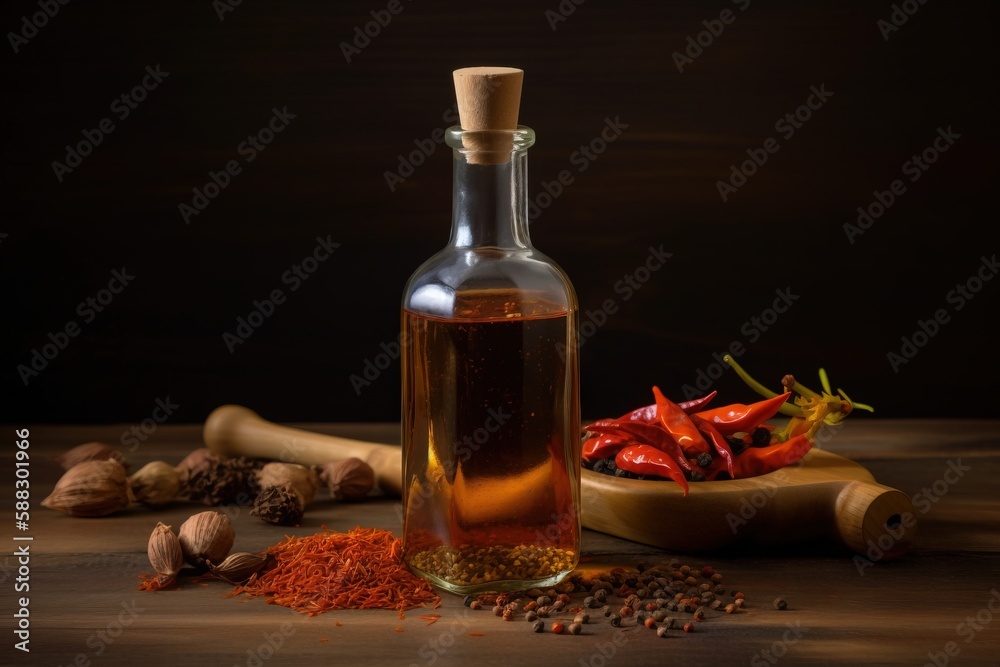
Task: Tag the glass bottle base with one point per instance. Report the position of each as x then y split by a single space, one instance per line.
498 586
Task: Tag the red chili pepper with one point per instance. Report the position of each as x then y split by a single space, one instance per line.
761 460
736 417
602 446
722 447
648 414
646 460
689 407
679 425
644 434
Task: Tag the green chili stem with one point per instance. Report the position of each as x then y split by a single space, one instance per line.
825 381
804 390
787 409
859 406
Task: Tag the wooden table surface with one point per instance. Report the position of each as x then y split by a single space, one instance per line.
944 596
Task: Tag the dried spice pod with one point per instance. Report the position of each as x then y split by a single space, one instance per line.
166 557
155 484
194 461
239 567
91 488
206 537
300 479
90 451
279 505
350 479
214 480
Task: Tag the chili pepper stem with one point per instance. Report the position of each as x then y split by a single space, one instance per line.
859 406
825 381
787 409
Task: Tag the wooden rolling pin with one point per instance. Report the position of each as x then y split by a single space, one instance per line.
827 496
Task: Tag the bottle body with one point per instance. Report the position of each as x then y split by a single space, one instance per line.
490 400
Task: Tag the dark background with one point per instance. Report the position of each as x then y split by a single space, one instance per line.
324 175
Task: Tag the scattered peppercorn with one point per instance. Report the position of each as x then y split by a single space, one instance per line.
650 623
699 614
531 616
538 626
704 459
508 615
730 608
575 628
475 604
661 631
689 627
558 627
498 610
780 603
616 620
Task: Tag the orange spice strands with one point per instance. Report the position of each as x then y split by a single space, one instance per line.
360 569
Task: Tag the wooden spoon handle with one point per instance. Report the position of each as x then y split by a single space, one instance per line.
233 430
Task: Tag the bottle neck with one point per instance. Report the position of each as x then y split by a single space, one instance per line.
489 203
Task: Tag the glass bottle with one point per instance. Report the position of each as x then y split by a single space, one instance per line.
490 395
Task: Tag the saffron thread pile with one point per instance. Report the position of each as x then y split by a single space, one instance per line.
360 569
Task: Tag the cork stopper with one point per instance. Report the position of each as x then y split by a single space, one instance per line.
488 99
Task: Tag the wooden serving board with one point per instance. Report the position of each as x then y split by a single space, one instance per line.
824 496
